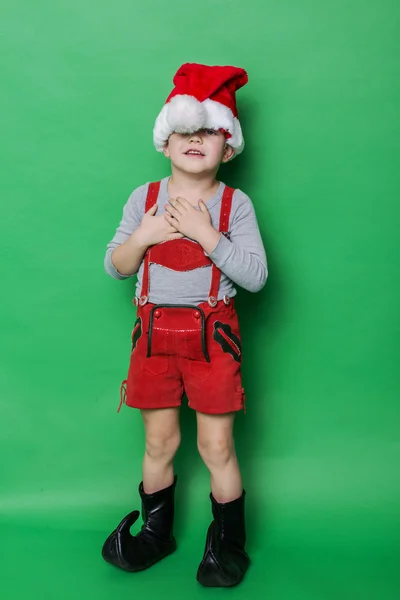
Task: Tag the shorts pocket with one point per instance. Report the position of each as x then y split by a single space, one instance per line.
136 333
227 339
200 369
156 365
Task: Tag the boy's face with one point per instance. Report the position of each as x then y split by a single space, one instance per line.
200 152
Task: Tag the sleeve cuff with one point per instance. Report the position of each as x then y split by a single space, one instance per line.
221 253
110 269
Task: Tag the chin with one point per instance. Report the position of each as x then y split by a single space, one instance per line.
195 167
195 170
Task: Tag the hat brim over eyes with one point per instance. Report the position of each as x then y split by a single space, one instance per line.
203 98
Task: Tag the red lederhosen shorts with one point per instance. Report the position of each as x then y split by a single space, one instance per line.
196 350
192 349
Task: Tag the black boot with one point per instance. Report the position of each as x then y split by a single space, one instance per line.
154 541
225 560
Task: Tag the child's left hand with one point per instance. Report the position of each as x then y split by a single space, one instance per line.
189 221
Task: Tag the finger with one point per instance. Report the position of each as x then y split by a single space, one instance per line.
183 201
180 203
202 206
171 220
152 210
172 211
176 236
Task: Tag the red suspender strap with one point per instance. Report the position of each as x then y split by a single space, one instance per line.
152 196
226 206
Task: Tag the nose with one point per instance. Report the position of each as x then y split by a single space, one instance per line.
196 138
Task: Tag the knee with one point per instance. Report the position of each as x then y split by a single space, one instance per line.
163 446
216 452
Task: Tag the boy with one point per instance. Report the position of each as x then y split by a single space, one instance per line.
189 239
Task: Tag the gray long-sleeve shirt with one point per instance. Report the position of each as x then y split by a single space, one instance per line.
241 258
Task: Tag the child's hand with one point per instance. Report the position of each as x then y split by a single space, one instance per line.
154 229
186 219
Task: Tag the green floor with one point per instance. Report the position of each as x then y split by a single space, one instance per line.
329 557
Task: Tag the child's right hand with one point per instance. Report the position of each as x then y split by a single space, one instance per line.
154 229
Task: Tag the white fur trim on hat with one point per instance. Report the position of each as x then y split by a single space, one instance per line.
185 114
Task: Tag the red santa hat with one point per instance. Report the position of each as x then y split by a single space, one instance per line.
203 98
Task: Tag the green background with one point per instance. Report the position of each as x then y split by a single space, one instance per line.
82 83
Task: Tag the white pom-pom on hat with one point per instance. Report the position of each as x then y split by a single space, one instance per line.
186 114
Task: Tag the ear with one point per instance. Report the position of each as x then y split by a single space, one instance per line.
166 150
228 153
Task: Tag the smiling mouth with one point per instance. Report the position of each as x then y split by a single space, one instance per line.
194 153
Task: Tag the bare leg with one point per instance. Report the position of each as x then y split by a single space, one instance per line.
217 449
225 560
155 539
162 442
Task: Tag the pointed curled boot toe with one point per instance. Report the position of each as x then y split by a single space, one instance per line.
225 560
154 541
